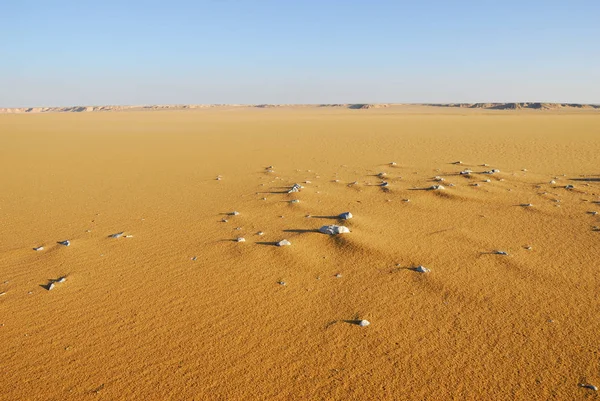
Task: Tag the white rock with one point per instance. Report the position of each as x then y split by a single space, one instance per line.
383 184
364 323
50 286
500 253
295 201
345 216
129 236
240 239
61 279
393 164
422 269
438 178
552 182
334 230
39 248
436 187
234 213
569 186
381 175
117 235
284 242
65 242
465 172
260 233
590 386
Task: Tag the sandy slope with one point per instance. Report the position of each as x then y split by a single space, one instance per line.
138 319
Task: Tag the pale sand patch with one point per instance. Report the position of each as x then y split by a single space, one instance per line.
182 311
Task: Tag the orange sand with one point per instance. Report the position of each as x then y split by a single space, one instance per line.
137 319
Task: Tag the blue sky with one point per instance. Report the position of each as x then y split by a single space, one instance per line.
234 51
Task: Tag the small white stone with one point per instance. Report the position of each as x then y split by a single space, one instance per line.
552 182
295 201
589 386
234 213
260 233
65 243
338 275
61 279
50 286
345 216
436 188
334 230
393 164
117 235
284 242
500 253
364 323
39 248
240 239
422 269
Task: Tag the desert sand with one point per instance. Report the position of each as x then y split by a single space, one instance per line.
176 308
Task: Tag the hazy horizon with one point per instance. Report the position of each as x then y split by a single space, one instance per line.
268 52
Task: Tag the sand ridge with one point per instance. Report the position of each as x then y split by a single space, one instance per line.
138 318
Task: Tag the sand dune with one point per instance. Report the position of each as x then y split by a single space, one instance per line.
175 308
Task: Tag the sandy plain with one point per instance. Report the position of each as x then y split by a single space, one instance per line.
138 319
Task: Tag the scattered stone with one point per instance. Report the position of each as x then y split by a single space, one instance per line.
218 178
436 188
484 165
295 188
552 182
224 220
393 164
524 169
295 201
194 258
593 213
345 216
465 172
281 283
264 199
405 200
569 186
589 386
338 275
240 239
39 248
334 230
50 286
457 162
260 233
364 323
129 236
500 253
527 205
422 269
528 248
475 184
383 184
438 178
307 182
488 180
116 235
64 243
61 279
234 213
284 242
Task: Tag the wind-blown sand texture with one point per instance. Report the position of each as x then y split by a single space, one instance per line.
138 319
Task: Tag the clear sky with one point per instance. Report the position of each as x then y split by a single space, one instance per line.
58 53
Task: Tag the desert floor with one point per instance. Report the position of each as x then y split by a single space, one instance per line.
139 319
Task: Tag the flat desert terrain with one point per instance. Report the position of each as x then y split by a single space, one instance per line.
507 308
